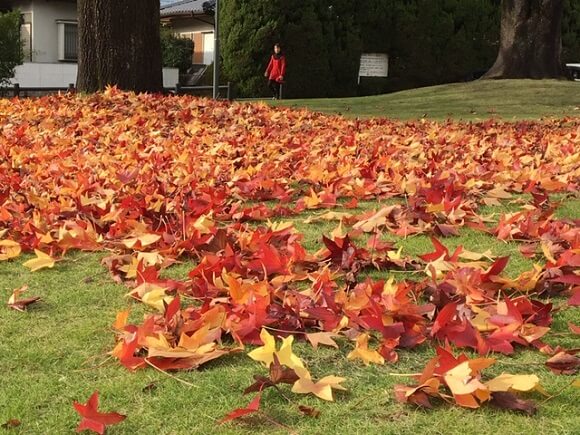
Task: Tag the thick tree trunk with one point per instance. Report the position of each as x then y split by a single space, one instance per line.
530 41
119 44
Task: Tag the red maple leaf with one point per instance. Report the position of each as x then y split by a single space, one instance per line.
94 420
253 406
574 301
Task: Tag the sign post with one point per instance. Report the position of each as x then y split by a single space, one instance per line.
373 65
216 52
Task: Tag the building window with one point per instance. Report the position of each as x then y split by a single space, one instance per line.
67 41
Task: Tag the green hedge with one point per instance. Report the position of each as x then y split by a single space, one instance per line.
428 41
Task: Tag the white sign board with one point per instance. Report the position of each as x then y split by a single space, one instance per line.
374 65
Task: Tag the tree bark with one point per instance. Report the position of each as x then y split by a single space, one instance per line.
530 41
119 44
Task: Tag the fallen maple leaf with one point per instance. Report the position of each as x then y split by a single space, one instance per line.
363 352
510 383
279 374
322 389
564 363
253 406
325 338
121 319
18 304
267 352
418 395
142 240
574 300
9 249
506 400
41 261
94 420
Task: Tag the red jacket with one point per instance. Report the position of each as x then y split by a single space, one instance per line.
276 68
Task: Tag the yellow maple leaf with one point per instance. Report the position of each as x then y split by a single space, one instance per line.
390 288
313 200
152 295
156 299
322 389
506 382
41 261
338 232
325 338
144 240
204 224
375 221
363 352
395 255
9 249
285 355
265 353
481 320
280 226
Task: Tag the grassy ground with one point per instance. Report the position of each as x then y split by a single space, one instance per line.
482 99
57 351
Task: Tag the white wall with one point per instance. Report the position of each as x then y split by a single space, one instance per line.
59 75
44 26
190 25
45 75
170 77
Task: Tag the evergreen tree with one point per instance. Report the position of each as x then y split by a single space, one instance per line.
318 37
571 32
304 38
248 33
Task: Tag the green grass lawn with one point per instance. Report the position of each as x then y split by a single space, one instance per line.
481 99
56 352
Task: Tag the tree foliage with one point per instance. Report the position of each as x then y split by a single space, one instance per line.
428 42
571 31
10 46
318 37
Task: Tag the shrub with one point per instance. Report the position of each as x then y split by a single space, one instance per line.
176 52
11 53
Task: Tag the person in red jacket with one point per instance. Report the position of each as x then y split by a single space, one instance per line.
276 71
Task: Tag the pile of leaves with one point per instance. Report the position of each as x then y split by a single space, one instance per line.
156 180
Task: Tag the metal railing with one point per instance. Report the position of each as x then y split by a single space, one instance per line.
191 90
16 90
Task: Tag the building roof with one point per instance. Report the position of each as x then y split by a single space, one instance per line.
185 7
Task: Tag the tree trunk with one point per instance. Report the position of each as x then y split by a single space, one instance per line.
530 41
119 44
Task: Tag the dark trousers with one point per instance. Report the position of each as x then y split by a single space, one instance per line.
275 88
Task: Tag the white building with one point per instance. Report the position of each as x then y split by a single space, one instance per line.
188 19
49 33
